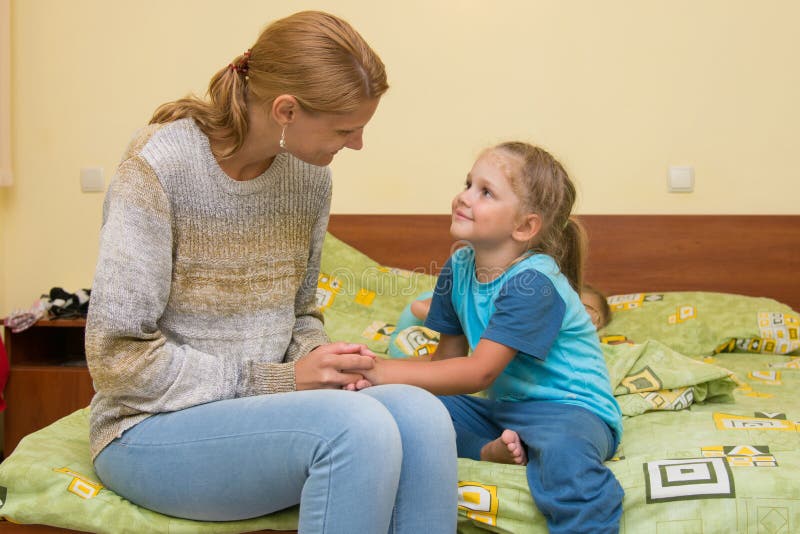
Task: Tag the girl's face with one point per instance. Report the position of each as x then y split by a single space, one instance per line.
487 211
316 137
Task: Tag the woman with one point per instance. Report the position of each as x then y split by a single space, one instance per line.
219 396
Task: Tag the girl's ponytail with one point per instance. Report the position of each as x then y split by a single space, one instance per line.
545 188
573 256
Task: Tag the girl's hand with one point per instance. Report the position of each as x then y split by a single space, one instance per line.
360 384
371 376
333 366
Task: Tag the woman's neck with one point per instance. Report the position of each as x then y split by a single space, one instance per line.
491 262
258 150
247 163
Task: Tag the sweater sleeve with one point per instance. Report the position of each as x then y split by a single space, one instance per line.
129 358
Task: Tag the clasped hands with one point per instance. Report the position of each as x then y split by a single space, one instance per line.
337 365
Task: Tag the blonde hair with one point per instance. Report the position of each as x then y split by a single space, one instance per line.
316 57
545 188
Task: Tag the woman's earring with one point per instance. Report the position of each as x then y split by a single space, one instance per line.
282 142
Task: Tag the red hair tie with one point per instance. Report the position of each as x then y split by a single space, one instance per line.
243 66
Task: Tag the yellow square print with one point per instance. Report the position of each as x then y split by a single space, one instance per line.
682 314
365 297
83 488
725 421
478 501
625 302
80 485
378 331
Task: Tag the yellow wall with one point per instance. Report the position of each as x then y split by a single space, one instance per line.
618 89
3 309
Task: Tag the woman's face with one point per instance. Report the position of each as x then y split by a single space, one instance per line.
316 137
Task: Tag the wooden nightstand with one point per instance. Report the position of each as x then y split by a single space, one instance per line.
48 377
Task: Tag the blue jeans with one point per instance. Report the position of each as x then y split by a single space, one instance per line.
566 447
379 460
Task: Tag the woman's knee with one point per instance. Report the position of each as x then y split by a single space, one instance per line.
366 420
415 410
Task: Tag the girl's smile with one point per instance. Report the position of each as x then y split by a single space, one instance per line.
461 215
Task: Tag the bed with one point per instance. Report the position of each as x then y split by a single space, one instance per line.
702 352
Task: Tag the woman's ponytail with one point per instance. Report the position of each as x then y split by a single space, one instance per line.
223 115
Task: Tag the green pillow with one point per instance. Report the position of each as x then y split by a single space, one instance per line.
703 323
361 300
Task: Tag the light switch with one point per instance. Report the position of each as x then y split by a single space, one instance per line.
681 179
92 180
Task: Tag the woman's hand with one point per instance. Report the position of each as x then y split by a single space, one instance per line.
333 366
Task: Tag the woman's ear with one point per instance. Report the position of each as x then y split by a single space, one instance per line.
528 228
284 109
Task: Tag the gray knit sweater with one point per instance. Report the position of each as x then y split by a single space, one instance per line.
204 287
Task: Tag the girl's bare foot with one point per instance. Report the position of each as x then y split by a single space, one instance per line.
507 449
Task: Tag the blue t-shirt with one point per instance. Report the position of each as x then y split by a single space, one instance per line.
532 308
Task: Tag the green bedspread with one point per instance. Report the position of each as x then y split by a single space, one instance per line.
710 444
710 468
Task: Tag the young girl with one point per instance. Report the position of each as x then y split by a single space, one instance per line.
510 298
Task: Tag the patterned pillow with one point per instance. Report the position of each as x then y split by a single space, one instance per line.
703 323
360 299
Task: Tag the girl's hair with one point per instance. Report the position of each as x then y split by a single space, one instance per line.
545 188
316 57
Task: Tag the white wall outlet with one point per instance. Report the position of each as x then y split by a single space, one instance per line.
680 179
92 180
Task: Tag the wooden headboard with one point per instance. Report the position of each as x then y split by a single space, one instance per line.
757 255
